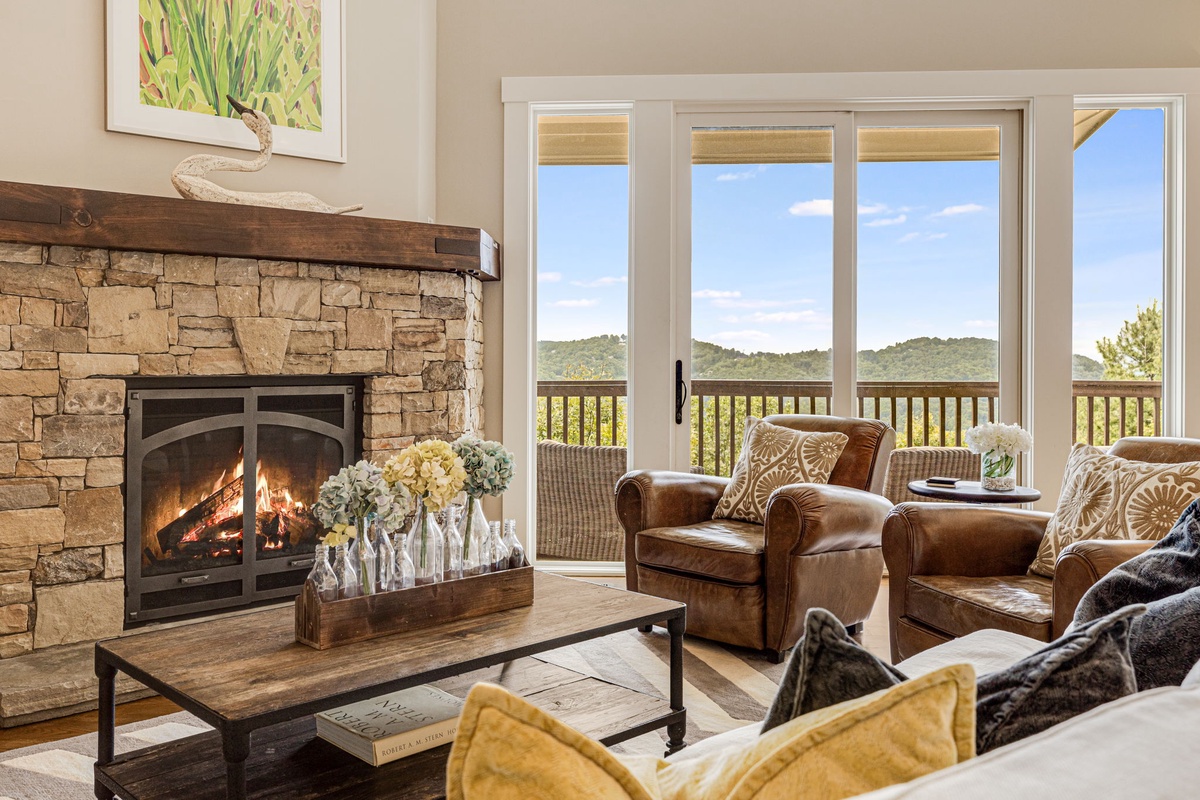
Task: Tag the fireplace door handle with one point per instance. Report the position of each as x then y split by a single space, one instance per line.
193 579
302 562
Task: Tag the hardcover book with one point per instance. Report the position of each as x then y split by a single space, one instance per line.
392 726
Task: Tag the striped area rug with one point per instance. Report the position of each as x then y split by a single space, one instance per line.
724 688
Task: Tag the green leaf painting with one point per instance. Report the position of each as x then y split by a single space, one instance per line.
265 53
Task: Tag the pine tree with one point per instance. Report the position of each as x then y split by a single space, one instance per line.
1136 353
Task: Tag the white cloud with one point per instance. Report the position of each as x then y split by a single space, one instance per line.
812 208
989 324
713 294
549 277
743 176
883 221
872 208
728 303
921 237
605 281
580 303
742 336
781 316
954 211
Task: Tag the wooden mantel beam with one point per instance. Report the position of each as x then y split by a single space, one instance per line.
34 214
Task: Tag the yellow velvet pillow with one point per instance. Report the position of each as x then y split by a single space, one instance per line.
507 749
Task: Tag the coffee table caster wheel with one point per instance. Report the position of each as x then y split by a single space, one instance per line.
645 628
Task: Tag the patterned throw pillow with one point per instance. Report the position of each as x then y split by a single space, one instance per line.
774 456
1106 497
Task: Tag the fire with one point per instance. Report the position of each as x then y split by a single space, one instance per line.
277 513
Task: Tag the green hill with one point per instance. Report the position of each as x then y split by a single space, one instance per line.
925 358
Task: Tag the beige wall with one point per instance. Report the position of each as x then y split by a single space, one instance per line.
52 90
481 42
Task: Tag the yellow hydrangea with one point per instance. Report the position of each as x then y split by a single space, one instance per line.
429 470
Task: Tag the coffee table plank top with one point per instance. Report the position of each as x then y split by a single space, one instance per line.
247 671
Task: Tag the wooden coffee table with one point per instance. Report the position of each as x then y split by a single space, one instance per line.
245 674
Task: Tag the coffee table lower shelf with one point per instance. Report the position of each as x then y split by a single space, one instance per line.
289 761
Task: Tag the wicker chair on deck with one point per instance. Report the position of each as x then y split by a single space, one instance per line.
576 516
917 463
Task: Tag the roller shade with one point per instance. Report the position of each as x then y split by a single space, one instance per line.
604 139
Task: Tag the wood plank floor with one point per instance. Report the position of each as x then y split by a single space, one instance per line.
875 639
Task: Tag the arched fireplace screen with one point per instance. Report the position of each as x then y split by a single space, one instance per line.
219 492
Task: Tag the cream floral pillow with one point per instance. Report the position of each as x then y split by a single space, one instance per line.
1106 497
774 456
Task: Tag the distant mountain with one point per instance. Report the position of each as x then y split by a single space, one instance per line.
925 359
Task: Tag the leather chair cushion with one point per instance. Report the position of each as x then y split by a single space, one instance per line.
718 549
959 605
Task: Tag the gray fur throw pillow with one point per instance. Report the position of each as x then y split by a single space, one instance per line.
1170 567
826 668
1164 643
1085 668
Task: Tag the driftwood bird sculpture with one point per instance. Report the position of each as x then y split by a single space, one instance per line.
190 181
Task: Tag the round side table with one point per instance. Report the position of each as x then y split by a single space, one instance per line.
973 492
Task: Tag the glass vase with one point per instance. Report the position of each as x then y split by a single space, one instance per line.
453 553
425 547
406 573
998 472
385 554
473 530
321 578
496 549
347 576
362 555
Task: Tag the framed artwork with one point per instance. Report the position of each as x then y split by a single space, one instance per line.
171 64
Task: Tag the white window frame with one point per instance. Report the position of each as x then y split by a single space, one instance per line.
1048 98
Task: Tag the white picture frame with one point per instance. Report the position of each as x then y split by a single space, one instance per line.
127 114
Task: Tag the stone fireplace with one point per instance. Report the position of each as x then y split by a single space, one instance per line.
81 328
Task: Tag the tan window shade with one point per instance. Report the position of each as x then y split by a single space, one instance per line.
604 139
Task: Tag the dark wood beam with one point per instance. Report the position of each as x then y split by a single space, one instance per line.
34 214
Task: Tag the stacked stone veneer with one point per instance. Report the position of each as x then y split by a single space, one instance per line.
69 315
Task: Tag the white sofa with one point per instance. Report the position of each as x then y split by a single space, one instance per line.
1141 747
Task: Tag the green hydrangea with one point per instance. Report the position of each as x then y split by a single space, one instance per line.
489 466
356 491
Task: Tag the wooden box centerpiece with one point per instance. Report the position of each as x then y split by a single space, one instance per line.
328 624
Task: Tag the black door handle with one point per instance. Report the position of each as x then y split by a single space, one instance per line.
681 391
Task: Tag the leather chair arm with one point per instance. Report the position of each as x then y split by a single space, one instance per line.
809 518
659 499
1078 568
960 539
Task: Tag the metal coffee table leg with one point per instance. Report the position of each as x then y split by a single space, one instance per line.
676 730
106 729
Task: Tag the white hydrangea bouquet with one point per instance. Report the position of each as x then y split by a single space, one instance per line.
998 445
347 498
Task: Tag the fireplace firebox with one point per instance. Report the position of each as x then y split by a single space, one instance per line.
220 484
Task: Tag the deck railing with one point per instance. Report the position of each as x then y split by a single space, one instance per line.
923 413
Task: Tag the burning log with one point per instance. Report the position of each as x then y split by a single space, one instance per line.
197 519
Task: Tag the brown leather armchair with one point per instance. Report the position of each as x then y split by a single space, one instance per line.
751 585
954 569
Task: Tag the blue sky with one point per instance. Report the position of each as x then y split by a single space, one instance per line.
927 247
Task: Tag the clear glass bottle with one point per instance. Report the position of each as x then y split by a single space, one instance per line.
321 578
362 555
496 549
347 576
516 553
473 529
448 520
385 556
425 547
406 573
